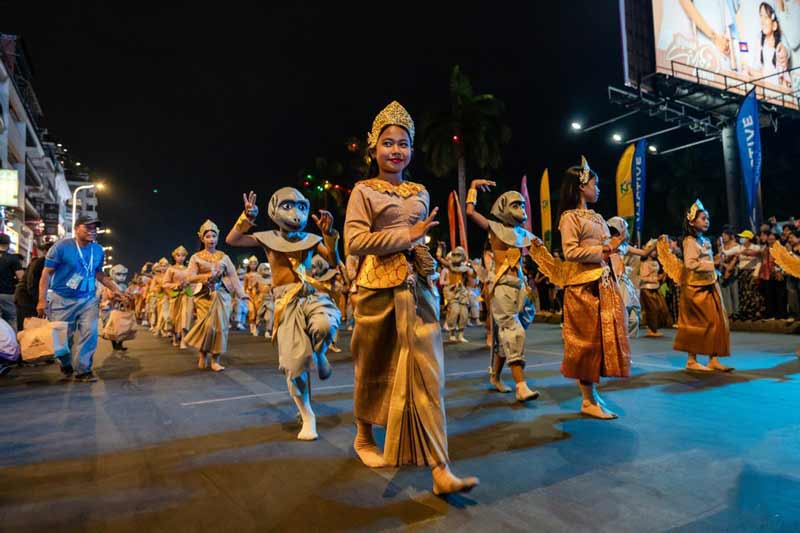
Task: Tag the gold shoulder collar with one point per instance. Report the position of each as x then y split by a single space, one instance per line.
404 190
216 256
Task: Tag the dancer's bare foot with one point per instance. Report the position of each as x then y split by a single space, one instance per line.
368 452
444 482
309 429
202 361
334 348
524 393
461 338
654 334
714 364
592 404
215 366
499 384
596 410
694 366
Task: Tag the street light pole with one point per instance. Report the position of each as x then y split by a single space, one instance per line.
75 203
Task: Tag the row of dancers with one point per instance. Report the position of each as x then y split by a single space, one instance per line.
397 344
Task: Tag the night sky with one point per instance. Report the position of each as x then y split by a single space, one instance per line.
204 104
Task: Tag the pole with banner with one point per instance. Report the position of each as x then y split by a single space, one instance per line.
748 139
523 189
544 208
625 185
639 187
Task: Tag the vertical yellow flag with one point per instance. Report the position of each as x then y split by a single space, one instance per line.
625 185
544 206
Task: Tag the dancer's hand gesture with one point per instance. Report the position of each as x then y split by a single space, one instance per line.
615 243
250 207
482 185
421 228
324 221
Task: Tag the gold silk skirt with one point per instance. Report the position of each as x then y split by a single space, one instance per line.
181 310
252 307
399 371
209 333
702 322
654 306
595 334
164 324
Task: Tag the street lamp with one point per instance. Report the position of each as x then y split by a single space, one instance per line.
98 186
108 247
617 138
653 149
576 126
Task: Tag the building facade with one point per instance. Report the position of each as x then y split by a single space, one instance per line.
40 211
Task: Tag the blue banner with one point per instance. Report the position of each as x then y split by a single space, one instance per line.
748 136
639 176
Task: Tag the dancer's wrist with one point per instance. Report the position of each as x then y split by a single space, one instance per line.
244 223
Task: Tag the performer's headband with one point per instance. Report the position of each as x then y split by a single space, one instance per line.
393 114
585 172
697 206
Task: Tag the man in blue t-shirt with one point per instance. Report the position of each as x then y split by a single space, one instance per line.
67 293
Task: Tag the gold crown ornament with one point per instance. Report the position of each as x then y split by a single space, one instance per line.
179 250
586 172
207 226
393 114
697 206
163 261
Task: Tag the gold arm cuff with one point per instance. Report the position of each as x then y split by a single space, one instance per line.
472 196
243 224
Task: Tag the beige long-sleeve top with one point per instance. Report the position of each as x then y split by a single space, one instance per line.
202 263
649 271
698 255
583 234
379 216
698 260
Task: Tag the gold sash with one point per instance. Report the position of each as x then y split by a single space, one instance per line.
383 272
288 296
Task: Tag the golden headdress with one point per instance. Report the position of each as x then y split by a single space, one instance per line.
697 206
586 172
207 226
179 250
252 259
393 114
163 261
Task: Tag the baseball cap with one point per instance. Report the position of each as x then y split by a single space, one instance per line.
87 220
747 234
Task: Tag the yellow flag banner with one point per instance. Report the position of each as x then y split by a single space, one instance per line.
544 207
625 185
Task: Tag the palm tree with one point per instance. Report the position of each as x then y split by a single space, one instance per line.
472 131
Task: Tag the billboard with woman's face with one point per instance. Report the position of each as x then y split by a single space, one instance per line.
732 45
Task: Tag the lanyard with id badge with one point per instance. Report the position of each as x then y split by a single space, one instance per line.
81 281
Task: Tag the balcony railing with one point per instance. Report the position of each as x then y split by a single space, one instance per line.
785 97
